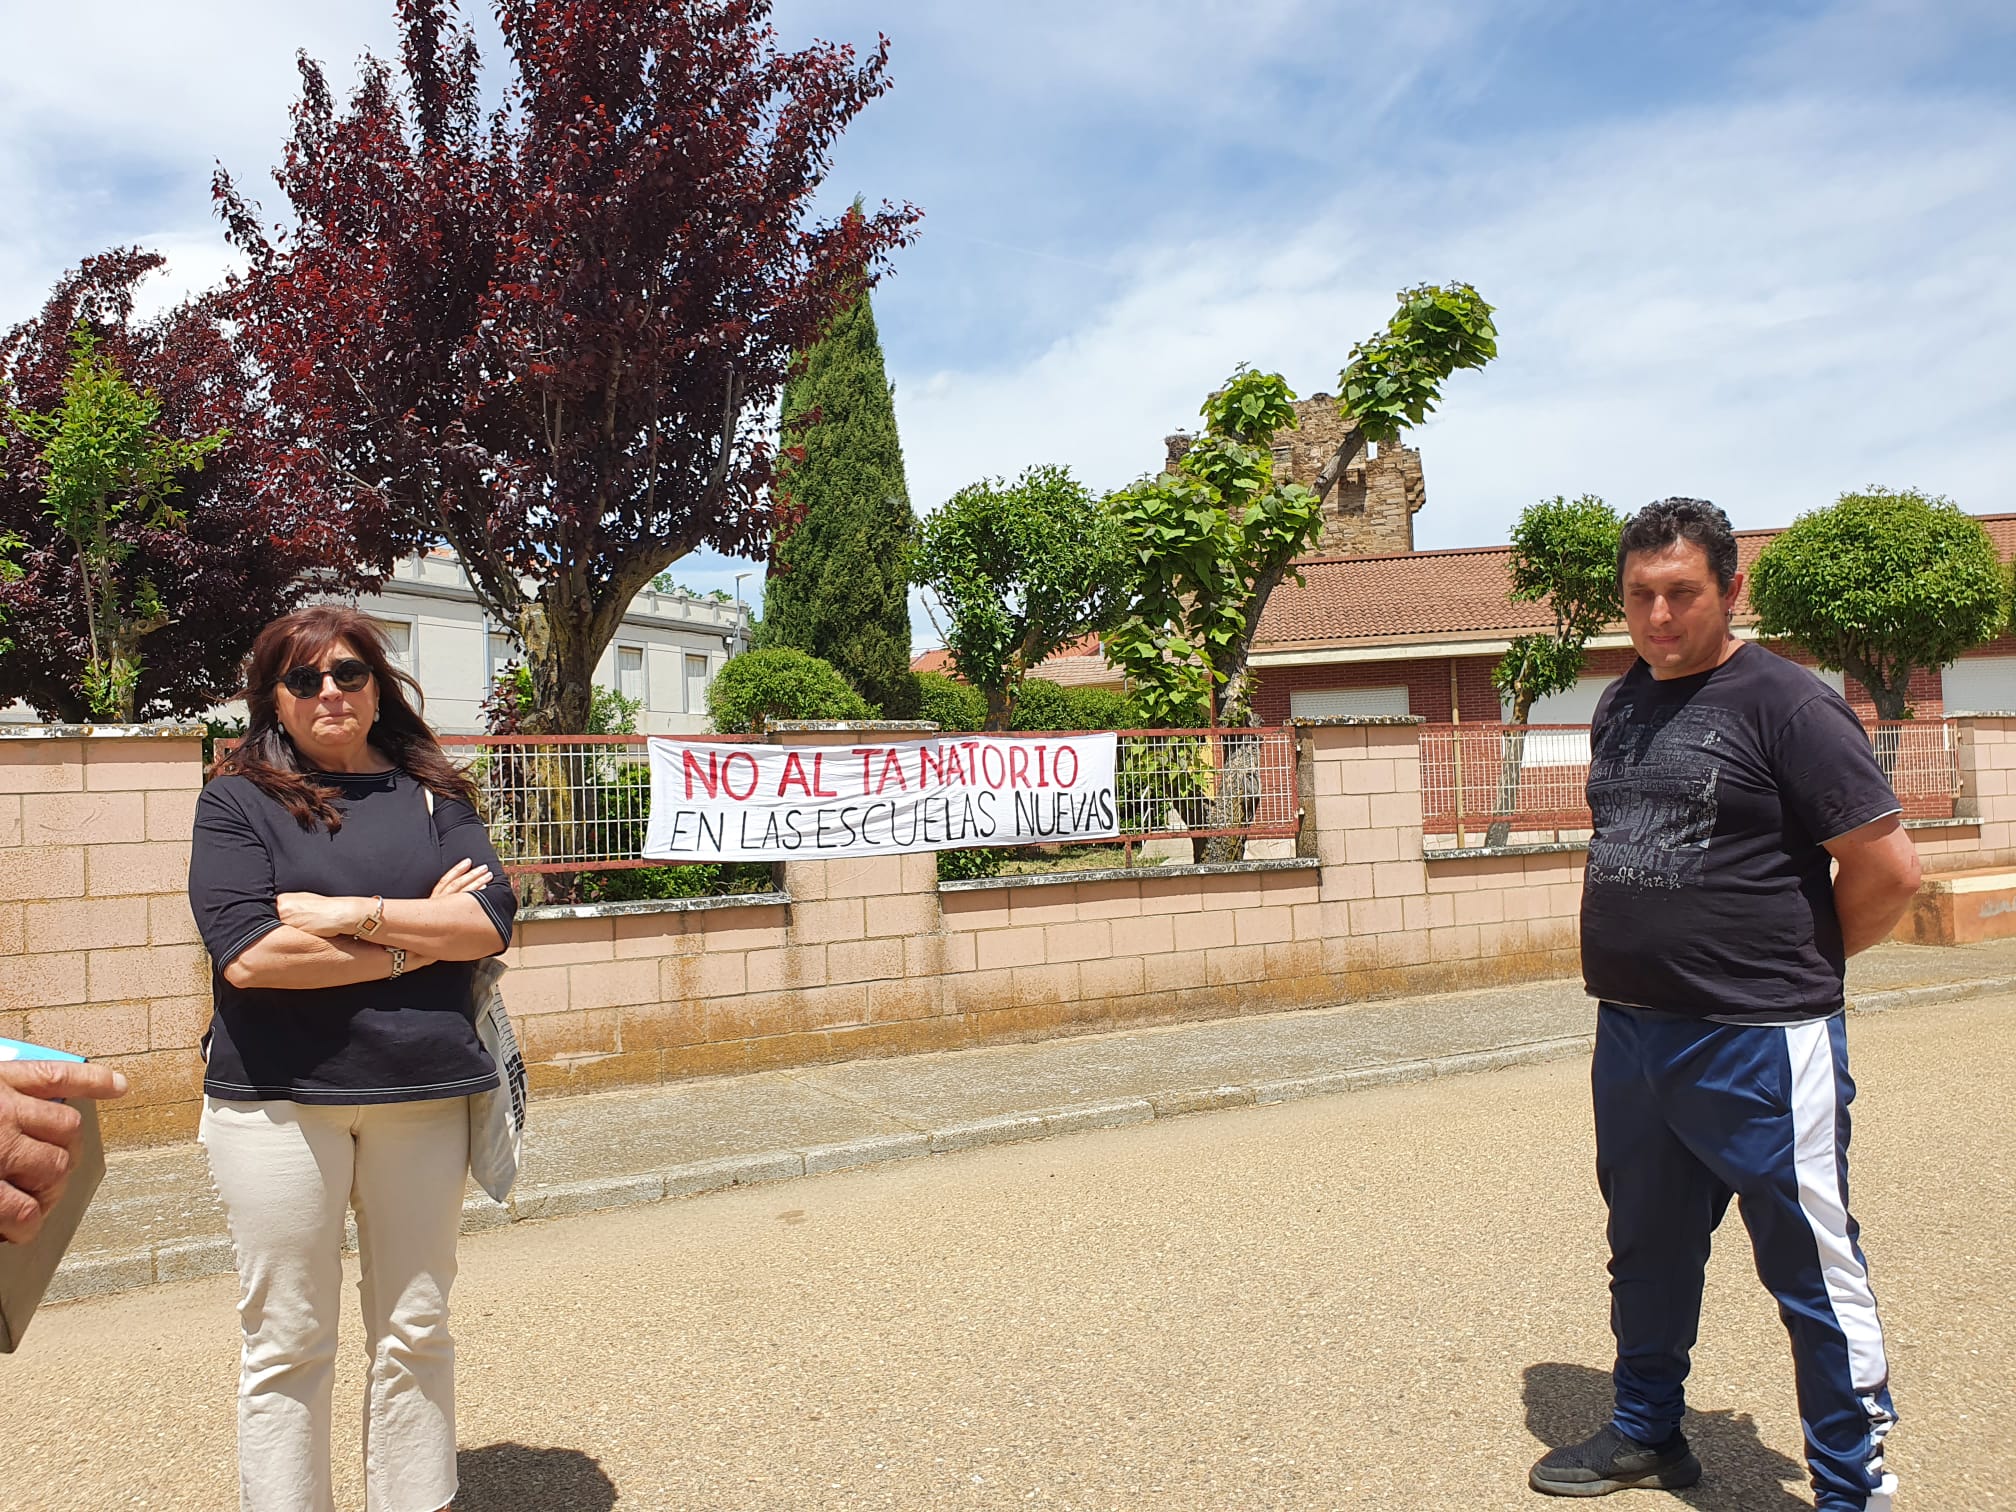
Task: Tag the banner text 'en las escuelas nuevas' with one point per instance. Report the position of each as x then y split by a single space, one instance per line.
712 802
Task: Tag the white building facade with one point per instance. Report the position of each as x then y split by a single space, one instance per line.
665 655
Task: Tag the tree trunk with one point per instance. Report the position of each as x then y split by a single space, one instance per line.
561 658
1888 694
1000 712
1512 761
1887 738
1349 447
1237 797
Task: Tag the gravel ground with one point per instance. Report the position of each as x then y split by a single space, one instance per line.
1390 1299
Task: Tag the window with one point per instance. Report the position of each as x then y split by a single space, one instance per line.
630 672
696 684
398 641
503 652
1354 703
1979 685
1575 706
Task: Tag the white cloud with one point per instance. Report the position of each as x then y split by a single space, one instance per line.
1766 292
113 115
1765 306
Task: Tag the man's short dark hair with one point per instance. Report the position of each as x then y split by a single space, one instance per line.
1661 524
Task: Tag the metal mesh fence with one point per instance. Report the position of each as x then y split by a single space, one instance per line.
1193 783
1530 779
1922 760
582 804
563 805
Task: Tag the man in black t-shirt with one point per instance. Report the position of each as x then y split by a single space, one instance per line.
1726 784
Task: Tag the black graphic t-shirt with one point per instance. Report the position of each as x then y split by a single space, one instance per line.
1708 890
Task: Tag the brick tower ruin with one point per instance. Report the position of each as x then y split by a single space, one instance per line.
1370 510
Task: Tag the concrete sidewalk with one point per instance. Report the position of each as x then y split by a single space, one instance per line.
156 1219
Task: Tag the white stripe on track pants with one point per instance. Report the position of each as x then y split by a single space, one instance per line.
1689 1113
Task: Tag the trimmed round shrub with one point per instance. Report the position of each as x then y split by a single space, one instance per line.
1100 709
1043 705
758 687
952 704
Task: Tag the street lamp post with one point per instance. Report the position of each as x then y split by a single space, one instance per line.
740 621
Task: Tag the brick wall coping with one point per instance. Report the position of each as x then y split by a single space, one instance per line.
1335 721
1978 714
1958 821
102 732
868 726
1486 852
1133 874
651 906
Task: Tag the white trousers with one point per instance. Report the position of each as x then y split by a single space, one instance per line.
286 1173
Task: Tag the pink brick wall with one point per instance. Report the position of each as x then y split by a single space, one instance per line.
100 952
866 958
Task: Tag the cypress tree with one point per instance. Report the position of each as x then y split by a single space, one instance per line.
839 579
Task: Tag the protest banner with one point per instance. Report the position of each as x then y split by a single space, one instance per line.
717 802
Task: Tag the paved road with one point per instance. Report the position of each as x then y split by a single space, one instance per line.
1390 1299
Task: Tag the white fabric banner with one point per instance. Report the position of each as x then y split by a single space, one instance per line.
714 802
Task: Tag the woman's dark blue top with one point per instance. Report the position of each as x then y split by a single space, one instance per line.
405 1040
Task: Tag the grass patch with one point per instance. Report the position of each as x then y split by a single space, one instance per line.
1031 860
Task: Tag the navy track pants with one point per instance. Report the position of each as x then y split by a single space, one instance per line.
1689 1113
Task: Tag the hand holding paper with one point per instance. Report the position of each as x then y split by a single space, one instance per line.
39 1132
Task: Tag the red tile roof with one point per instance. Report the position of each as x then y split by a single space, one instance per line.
1080 664
1462 594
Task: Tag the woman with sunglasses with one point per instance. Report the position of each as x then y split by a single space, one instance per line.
343 882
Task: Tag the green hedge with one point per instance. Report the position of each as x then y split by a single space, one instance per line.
950 703
1043 705
758 687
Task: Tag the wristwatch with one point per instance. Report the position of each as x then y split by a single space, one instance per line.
372 920
398 960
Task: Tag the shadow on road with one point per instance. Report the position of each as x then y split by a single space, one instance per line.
1567 1403
519 1478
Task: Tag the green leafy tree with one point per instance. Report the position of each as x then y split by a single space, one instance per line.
1394 380
1021 570
665 582
839 579
1880 585
1215 536
760 686
1564 554
1210 541
105 463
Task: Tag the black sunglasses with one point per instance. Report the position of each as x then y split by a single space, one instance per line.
306 682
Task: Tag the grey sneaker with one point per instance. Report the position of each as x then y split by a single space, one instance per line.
1611 1462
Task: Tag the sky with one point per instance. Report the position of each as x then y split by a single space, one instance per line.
1758 251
